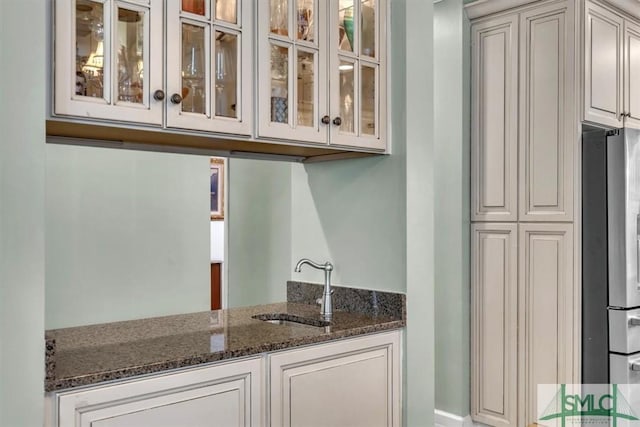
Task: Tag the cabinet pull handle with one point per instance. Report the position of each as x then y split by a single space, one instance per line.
176 98
158 95
337 121
325 120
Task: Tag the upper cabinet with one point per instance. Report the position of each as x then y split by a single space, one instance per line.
109 60
632 74
209 72
522 137
311 73
611 68
494 136
603 86
546 130
322 74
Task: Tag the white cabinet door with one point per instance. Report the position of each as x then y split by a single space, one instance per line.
546 142
357 73
292 70
209 71
109 60
322 71
603 86
494 323
494 135
221 395
545 307
632 74
352 383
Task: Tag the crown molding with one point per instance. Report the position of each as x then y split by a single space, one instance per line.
480 8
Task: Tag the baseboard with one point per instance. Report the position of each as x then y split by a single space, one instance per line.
445 419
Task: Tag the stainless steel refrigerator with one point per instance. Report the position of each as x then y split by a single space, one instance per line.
611 256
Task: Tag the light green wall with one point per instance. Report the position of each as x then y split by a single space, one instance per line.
259 217
451 154
350 213
419 399
22 90
127 235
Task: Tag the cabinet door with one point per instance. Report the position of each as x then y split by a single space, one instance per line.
292 70
108 60
494 323
221 395
632 74
209 66
546 143
350 383
603 103
357 73
545 307
494 135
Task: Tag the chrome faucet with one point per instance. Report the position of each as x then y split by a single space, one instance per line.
326 307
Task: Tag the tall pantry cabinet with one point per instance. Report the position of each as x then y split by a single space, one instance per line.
522 190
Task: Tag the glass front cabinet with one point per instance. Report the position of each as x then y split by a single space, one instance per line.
312 71
209 69
109 59
321 69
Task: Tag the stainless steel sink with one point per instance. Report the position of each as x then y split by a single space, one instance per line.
293 321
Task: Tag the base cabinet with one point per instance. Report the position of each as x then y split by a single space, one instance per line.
494 312
227 394
351 383
522 318
546 311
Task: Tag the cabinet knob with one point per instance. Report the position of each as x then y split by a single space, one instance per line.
158 95
176 98
337 121
326 120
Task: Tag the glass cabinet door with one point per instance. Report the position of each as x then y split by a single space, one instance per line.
358 99
292 70
103 59
209 46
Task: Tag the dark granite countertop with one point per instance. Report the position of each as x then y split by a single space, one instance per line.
92 354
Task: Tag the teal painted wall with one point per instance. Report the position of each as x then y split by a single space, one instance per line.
451 153
259 243
127 235
351 213
418 74
22 115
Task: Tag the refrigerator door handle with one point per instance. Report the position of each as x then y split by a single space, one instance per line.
634 321
638 250
634 365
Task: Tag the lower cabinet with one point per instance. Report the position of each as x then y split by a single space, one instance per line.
228 394
349 383
522 317
494 324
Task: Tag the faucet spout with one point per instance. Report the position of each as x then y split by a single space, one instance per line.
326 307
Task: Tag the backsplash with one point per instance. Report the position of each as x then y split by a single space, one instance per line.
373 303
